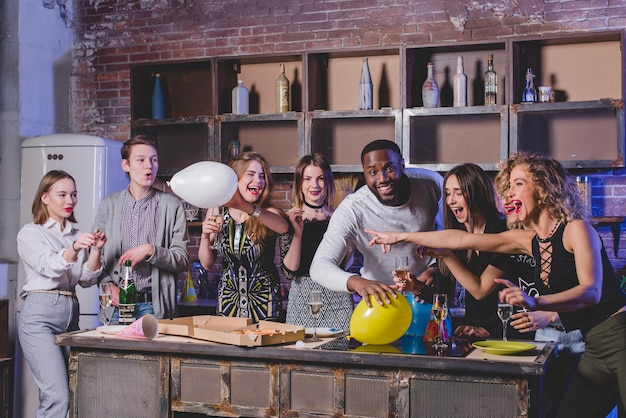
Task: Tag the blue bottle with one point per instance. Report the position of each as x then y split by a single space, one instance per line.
158 100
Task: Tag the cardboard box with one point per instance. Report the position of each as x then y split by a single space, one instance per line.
235 331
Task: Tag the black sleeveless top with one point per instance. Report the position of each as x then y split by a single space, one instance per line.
563 276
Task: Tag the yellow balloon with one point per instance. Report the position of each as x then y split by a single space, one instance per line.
380 324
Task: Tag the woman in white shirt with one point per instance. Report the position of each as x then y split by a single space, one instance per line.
56 257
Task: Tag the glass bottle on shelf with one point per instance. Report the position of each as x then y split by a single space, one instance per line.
460 84
158 100
491 83
529 95
430 89
365 87
282 91
240 99
233 148
584 187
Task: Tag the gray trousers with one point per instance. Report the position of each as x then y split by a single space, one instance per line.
43 316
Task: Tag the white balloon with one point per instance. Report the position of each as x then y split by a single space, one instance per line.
206 184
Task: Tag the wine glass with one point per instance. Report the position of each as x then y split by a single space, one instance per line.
315 305
106 301
440 312
402 270
505 310
218 217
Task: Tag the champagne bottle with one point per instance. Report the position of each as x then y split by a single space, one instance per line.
460 84
282 91
529 95
365 87
128 296
158 101
491 83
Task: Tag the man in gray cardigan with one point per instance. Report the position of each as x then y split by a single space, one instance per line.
147 227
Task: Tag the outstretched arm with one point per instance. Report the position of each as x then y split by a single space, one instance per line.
508 242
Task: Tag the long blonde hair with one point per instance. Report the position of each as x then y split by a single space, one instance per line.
256 230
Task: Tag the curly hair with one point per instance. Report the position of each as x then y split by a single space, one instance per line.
256 229
555 188
316 160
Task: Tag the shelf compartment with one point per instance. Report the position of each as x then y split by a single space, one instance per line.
580 135
444 59
187 87
441 138
333 79
259 74
341 136
578 67
278 137
181 142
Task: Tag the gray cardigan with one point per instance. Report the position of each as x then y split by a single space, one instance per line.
170 249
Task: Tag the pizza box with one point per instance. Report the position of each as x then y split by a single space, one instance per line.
234 331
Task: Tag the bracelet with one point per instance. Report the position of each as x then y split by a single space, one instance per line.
96 249
256 212
74 248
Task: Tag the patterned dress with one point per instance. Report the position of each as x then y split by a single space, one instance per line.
250 285
336 306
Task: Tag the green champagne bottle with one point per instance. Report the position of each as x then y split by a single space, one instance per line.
128 296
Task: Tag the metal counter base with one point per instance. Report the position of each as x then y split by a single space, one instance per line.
178 377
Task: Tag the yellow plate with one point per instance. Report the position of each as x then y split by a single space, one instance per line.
504 347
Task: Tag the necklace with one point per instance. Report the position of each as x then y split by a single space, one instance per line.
317 208
552 231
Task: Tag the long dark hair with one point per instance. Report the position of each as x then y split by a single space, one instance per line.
479 195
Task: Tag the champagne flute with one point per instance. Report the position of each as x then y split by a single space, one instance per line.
315 305
440 312
218 217
106 301
505 310
402 270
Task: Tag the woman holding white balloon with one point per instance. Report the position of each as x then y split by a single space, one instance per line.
249 286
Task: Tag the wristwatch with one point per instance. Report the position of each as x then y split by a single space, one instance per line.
256 212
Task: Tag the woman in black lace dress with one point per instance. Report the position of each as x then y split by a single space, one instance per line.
313 194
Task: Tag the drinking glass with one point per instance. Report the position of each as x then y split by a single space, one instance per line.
402 268
106 301
218 217
505 310
440 311
315 305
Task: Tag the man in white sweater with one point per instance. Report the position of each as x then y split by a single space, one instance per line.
394 199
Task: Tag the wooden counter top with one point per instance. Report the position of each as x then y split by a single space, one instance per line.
532 363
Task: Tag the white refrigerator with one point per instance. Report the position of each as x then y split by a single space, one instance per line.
95 164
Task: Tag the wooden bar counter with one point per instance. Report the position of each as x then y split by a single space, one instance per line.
174 376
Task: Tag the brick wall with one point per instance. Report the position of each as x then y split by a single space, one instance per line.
110 35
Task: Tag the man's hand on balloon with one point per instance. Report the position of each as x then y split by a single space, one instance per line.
381 292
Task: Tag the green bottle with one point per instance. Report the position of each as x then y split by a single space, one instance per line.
128 296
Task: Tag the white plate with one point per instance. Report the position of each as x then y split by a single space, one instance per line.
323 332
111 329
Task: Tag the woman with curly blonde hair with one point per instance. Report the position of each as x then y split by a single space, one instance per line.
573 274
249 286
